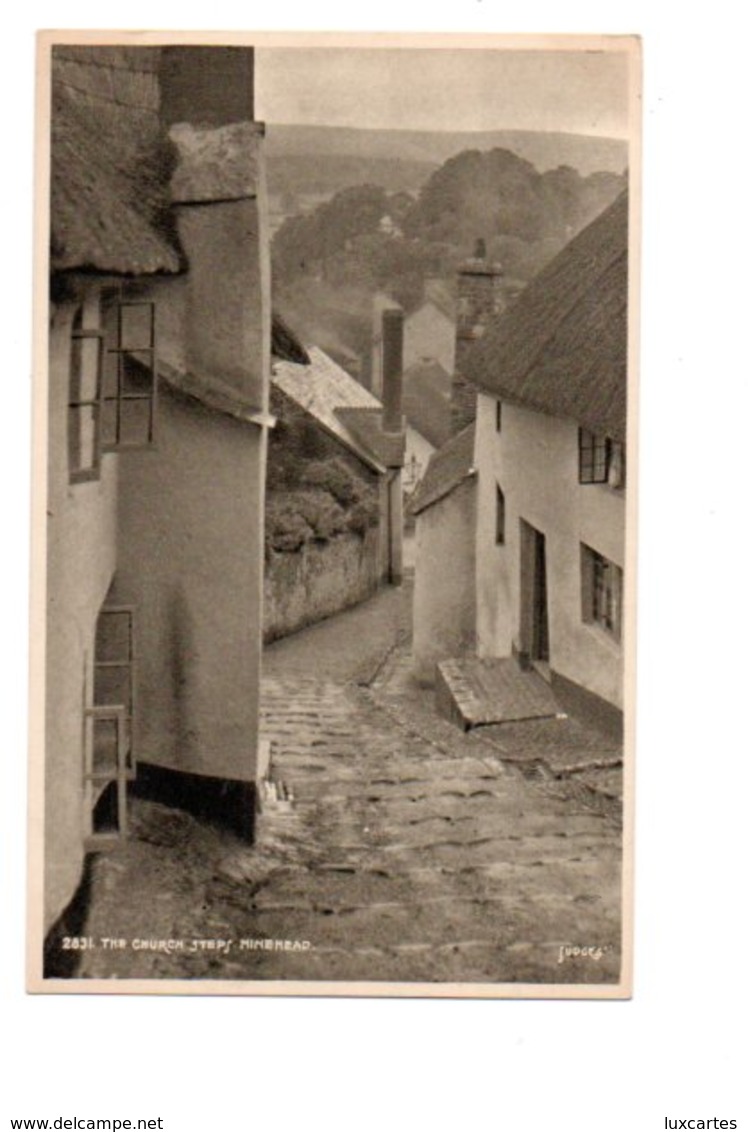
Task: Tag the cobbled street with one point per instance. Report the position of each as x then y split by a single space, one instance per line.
398 848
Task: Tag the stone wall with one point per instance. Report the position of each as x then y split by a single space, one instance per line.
318 580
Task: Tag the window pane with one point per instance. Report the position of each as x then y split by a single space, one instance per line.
500 515
83 449
113 630
112 686
109 374
105 748
135 421
109 414
137 373
136 326
106 817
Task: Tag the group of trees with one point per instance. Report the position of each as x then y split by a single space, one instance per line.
366 239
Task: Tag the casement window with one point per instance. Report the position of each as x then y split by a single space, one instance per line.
601 460
84 402
129 383
602 592
109 759
113 385
500 520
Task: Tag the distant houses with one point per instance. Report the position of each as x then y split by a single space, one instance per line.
546 382
159 340
430 328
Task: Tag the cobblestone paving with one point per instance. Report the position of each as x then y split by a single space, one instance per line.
409 854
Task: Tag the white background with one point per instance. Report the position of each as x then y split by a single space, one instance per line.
678 1048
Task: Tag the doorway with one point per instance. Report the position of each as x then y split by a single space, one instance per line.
534 635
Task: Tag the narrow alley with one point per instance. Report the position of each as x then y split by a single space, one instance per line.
391 847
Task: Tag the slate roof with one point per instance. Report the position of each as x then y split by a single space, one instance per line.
322 388
109 177
561 347
426 393
448 467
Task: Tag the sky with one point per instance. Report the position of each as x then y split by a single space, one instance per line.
445 88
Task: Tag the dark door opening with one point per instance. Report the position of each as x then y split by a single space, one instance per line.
534 634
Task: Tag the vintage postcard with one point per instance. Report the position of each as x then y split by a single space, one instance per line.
333 615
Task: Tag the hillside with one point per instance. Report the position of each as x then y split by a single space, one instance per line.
544 150
329 260
302 175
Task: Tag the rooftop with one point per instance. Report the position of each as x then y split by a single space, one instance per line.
426 392
109 169
437 291
322 388
448 467
561 348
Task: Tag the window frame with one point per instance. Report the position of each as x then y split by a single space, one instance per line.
124 354
602 593
78 473
600 460
499 517
95 781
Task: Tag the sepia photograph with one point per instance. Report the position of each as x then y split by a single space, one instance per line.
335 494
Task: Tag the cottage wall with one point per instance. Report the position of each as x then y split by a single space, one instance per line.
193 570
81 552
444 593
534 460
227 333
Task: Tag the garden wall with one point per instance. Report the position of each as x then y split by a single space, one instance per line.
317 580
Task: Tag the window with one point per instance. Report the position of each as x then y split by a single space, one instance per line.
113 385
109 760
129 382
498 416
601 460
500 516
84 402
602 592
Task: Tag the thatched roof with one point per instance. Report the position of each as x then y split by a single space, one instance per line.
561 347
448 467
109 199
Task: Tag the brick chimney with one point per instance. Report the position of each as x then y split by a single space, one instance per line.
479 299
381 304
392 370
218 191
